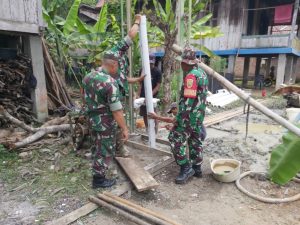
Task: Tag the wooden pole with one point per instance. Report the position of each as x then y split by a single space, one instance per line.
137 207
117 210
260 107
131 122
294 21
133 211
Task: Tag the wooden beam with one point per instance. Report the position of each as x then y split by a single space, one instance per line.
153 168
22 27
136 145
140 178
158 140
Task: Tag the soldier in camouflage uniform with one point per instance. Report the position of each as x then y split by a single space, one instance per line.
119 51
189 119
104 110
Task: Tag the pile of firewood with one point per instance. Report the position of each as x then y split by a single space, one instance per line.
58 96
16 83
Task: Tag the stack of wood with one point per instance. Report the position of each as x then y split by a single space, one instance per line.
131 211
16 83
57 92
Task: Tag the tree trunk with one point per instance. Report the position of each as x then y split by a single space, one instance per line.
168 62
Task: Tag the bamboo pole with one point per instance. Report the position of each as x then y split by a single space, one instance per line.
137 207
117 210
133 211
128 14
257 105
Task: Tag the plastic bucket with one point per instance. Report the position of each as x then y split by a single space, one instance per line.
225 170
293 114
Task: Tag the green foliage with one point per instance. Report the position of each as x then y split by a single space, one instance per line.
71 18
101 24
218 64
285 159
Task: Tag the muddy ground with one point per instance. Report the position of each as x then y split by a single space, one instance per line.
51 181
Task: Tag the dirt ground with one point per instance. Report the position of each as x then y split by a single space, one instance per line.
52 181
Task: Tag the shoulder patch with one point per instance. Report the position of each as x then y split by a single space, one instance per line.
190 86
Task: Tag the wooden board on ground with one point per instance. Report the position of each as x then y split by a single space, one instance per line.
140 178
153 168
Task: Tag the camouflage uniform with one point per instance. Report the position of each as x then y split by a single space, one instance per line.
119 51
190 118
102 97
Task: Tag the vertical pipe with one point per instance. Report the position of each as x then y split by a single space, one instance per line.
122 18
131 122
147 80
294 21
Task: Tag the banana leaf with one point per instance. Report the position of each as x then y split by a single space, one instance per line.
285 159
100 26
71 18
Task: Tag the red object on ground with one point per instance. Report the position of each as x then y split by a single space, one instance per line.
263 93
283 14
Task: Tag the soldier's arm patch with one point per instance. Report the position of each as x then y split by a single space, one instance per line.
190 86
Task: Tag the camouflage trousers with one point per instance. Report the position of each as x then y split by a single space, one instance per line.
103 150
178 140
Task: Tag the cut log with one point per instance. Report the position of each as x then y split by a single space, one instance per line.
140 208
133 210
140 178
118 211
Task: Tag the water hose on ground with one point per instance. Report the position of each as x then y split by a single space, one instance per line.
265 199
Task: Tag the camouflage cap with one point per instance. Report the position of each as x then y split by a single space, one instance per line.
189 56
111 55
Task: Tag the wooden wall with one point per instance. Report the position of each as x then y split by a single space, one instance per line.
21 15
233 23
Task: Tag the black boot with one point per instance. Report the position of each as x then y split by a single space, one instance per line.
186 171
198 171
102 182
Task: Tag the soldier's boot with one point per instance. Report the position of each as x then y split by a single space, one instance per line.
102 182
186 172
198 171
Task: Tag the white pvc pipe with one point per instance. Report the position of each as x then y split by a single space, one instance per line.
147 80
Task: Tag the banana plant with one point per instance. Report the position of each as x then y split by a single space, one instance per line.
285 159
163 31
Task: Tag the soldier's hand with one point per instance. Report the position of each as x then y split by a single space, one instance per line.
169 127
142 77
152 116
137 18
125 134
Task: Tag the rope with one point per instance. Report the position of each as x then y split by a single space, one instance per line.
265 199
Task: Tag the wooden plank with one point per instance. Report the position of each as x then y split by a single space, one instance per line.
140 178
31 11
17 10
74 215
5 10
19 27
153 168
143 147
158 140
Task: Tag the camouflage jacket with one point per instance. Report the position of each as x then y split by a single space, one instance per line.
192 103
120 51
102 97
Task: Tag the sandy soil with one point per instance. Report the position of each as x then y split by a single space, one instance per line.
200 201
207 201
